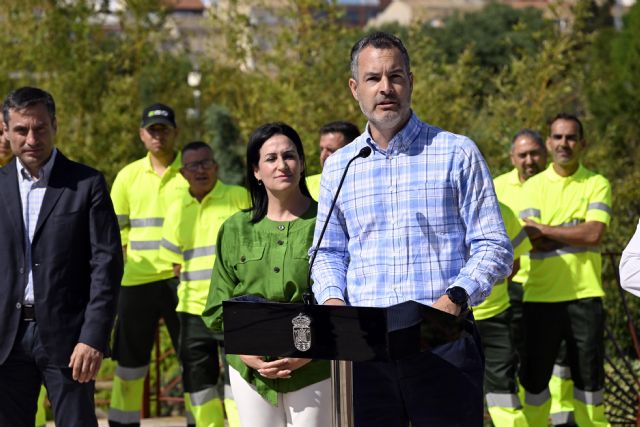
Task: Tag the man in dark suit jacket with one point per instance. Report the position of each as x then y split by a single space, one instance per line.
60 270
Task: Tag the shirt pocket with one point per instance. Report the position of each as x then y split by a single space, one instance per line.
249 255
250 268
300 251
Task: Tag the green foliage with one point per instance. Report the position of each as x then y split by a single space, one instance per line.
100 80
224 137
497 33
295 70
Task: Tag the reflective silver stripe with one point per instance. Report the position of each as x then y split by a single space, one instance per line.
530 212
196 275
124 417
228 393
201 251
563 372
563 251
201 397
562 418
600 206
123 220
131 374
588 397
147 222
519 238
142 245
572 223
537 399
170 246
503 400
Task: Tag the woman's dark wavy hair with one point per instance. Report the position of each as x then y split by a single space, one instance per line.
259 201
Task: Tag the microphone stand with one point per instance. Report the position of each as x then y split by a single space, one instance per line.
341 370
308 297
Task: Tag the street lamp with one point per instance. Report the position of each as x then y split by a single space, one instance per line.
193 80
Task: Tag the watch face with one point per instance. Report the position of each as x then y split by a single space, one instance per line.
458 295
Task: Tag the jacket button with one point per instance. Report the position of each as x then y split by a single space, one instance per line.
18 305
280 242
21 270
276 269
243 258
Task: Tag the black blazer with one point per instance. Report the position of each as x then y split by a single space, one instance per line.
76 261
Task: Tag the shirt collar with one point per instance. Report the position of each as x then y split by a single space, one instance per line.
401 140
176 164
45 170
514 177
553 175
214 193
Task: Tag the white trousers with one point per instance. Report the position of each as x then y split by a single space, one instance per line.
308 407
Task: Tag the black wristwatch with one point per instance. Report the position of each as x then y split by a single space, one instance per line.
459 297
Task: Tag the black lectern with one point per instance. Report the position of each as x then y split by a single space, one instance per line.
257 326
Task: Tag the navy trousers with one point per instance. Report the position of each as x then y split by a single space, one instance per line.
21 375
440 388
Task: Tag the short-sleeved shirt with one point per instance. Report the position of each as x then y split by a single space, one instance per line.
509 192
189 235
571 272
141 198
313 184
267 259
498 300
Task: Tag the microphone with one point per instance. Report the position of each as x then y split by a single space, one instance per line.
308 297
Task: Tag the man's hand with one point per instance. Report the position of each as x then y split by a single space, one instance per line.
85 363
176 269
533 229
445 304
280 368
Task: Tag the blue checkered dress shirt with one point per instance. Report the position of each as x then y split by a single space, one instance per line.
31 195
410 221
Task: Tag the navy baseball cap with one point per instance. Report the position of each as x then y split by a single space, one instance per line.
158 114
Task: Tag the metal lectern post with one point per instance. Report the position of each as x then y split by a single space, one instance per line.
342 393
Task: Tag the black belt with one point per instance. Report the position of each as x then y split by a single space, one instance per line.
28 313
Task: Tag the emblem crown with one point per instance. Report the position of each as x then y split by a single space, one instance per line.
301 321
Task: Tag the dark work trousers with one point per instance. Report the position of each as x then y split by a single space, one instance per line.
516 294
139 309
21 376
438 388
198 353
500 353
581 324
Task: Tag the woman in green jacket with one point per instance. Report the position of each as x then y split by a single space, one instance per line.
263 252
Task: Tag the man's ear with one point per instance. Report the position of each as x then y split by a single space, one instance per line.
353 85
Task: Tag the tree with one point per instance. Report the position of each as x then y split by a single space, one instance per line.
224 136
497 33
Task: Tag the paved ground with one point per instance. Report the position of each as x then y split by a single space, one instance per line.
147 422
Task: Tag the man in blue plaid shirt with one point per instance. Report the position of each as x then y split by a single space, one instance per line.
417 220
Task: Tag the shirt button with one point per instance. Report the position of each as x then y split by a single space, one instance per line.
18 305
21 270
280 242
276 269
281 227
243 258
